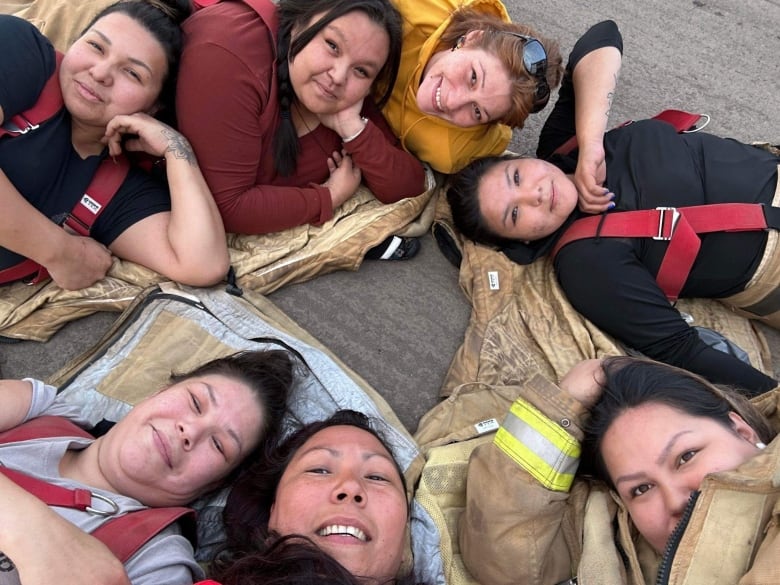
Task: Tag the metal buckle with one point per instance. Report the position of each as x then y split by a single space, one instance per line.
662 220
17 130
109 501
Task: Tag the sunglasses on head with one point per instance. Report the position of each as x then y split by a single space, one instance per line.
535 63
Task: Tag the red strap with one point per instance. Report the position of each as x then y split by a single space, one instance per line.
22 270
105 183
52 494
677 225
126 534
43 427
49 103
679 119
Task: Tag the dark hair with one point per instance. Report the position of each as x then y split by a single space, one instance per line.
509 49
463 197
268 373
297 13
630 382
250 543
162 18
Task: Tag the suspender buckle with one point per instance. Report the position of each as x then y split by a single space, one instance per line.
663 233
19 125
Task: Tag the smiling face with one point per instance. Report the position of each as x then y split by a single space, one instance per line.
343 491
657 455
180 442
526 198
466 87
116 67
338 67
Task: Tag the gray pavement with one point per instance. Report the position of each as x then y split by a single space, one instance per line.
398 324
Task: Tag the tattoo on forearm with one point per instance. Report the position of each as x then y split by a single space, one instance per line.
610 97
179 146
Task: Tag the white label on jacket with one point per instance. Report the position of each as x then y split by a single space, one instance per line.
493 280
486 426
91 204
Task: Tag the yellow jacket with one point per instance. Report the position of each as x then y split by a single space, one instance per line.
447 148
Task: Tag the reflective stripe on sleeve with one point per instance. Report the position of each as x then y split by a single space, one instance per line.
540 446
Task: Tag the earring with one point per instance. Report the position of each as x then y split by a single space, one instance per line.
761 445
459 44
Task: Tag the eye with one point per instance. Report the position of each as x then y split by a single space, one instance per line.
516 178
95 45
477 113
318 470
362 72
377 477
473 79
640 489
195 403
331 45
218 445
514 215
685 457
132 73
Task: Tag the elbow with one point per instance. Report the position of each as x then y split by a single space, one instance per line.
205 272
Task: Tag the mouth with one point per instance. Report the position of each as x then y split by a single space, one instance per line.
87 93
552 196
437 105
162 447
325 91
343 530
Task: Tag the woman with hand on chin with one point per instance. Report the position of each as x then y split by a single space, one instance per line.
278 101
119 73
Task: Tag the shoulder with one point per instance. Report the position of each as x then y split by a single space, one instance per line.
600 35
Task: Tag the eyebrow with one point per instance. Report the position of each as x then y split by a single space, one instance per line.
337 453
659 460
131 59
215 403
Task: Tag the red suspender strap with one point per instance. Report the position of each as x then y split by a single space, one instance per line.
126 534
123 535
679 226
25 268
49 103
679 119
109 176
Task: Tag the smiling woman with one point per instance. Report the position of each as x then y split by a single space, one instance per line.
171 448
117 75
330 502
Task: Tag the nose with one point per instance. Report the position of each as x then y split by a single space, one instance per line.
532 195
187 435
349 489
338 72
676 499
101 72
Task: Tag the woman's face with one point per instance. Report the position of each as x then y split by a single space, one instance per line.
116 67
343 491
466 87
526 198
657 455
338 67
182 441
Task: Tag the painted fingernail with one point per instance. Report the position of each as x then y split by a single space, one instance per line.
611 205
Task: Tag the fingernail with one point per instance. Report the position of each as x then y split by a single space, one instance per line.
611 205
611 195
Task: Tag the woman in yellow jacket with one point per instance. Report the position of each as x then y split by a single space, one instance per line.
468 75
688 490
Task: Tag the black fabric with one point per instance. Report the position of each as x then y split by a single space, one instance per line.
611 281
42 164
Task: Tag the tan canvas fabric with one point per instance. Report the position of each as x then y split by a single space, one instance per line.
262 263
62 21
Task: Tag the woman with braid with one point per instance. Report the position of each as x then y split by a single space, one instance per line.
277 102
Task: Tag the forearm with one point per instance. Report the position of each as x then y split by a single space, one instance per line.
195 230
388 171
595 81
25 230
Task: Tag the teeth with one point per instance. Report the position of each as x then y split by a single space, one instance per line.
339 529
438 99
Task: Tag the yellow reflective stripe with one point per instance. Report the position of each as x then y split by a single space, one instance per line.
540 446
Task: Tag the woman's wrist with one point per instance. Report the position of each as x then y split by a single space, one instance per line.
351 137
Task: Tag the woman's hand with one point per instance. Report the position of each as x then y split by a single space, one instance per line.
589 179
584 382
345 123
80 263
344 178
142 133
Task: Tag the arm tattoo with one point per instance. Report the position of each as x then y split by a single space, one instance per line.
610 97
179 146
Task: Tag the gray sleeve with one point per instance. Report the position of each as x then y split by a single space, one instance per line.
167 558
45 402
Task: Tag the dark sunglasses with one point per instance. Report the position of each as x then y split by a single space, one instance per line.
535 63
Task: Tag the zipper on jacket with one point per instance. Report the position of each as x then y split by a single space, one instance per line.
665 568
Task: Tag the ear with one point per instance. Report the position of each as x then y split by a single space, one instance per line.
743 429
473 36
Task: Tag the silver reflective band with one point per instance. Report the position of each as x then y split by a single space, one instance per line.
541 446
